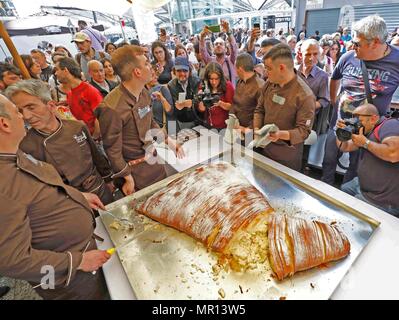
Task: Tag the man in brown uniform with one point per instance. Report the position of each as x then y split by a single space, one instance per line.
288 102
247 92
67 145
46 233
126 121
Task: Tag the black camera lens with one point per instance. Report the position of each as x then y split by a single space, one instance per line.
344 134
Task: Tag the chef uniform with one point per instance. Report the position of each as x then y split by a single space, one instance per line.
125 123
74 154
45 225
292 108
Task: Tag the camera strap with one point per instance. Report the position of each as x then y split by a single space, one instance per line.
366 82
376 130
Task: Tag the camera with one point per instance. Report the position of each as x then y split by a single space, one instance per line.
352 126
208 98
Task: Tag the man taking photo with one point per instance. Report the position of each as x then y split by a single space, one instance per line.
378 141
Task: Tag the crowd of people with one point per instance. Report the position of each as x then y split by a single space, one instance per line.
83 127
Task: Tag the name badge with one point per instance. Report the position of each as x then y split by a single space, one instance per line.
80 138
143 111
279 100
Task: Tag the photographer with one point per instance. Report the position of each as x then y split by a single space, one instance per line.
184 84
217 102
162 61
378 140
220 51
382 63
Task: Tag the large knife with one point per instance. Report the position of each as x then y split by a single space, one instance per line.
112 250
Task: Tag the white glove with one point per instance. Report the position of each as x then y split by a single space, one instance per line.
261 140
231 135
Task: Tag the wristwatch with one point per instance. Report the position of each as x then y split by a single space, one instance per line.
366 144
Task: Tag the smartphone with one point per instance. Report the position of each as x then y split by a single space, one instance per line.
257 25
182 97
214 29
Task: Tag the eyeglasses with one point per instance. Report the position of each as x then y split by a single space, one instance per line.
356 44
182 70
218 43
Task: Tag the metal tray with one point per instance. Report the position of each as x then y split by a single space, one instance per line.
163 263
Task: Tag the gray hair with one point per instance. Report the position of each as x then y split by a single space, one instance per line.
326 41
33 87
92 63
309 42
291 37
3 111
371 27
245 61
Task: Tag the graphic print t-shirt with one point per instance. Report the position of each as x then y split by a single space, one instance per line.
383 77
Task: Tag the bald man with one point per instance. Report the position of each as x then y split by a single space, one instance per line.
97 74
378 140
47 227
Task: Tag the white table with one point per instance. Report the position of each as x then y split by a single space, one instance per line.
374 275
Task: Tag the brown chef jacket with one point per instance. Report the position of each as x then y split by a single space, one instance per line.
44 223
74 154
246 98
125 123
292 108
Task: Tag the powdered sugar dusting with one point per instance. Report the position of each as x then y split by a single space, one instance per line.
213 200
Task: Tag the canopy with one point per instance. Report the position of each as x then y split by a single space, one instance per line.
114 7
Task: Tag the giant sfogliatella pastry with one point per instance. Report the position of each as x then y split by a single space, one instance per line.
219 207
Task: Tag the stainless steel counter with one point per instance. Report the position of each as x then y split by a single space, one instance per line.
163 263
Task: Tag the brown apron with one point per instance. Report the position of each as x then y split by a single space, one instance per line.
287 155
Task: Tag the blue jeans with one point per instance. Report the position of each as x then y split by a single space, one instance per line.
330 161
353 188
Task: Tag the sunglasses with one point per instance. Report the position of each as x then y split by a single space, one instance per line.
356 44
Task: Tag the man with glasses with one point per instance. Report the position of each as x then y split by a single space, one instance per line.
378 140
226 61
382 63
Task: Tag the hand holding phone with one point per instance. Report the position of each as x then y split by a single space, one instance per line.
214 29
182 97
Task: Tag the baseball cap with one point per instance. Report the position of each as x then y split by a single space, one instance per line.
80 37
181 63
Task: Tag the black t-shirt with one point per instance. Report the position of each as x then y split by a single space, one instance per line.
379 179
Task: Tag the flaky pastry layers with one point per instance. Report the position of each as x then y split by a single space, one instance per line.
218 206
